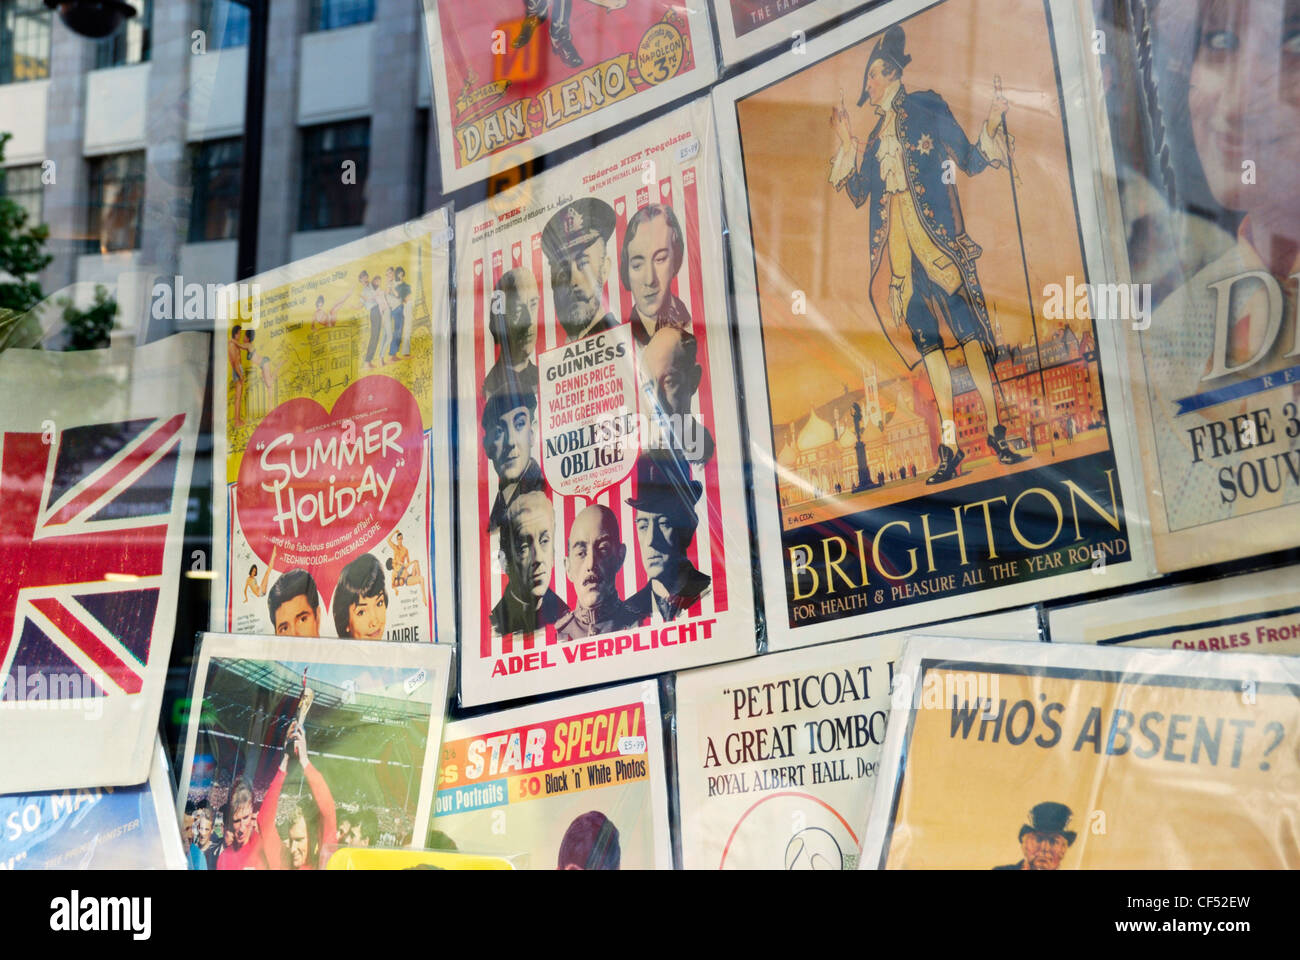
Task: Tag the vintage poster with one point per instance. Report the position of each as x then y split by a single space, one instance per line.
1206 160
936 426
1251 613
603 532
96 828
747 27
96 449
514 79
777 756
332 459
297 747
572 784
1005 756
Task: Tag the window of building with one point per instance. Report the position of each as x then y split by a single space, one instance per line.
130 44
224 23
214 175
332 14
24 40
335 161
23 186
116 202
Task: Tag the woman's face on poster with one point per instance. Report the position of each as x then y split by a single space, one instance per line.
367 618
1244 100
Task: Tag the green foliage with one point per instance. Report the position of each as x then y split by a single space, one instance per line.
89 329
22 252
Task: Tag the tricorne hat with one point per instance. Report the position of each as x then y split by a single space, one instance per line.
889 48
577 225
1049 817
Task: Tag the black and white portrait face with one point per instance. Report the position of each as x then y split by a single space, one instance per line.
651 265
663 538
515 305
527 544
595 554
670 375
509 443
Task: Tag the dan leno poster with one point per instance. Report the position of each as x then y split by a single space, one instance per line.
602 518
935 414
331 441
1006 756
513 79
573 784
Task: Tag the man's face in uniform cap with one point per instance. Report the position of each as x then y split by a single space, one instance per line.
578 274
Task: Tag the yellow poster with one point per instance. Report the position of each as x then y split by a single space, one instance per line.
1009 757
325 419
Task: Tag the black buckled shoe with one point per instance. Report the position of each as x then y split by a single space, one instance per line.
949 465
566 51
998 441
526 29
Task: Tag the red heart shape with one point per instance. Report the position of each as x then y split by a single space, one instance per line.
356 466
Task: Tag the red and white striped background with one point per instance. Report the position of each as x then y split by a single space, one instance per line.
707 550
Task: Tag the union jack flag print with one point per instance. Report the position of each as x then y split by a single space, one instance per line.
84 522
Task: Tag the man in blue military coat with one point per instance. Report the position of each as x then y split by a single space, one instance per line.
535 11
918 234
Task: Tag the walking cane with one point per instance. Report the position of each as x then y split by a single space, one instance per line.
1024 260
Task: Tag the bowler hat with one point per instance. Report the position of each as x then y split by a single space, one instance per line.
889 48
502 402
663 484
577 225
1049 817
